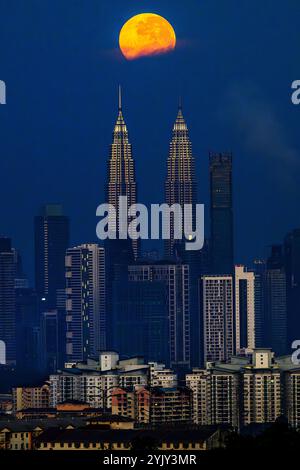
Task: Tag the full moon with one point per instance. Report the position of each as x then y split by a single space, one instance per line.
146 34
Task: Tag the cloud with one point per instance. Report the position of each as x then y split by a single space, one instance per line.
261 130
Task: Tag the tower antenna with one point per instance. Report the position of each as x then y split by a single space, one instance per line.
180 103
120 98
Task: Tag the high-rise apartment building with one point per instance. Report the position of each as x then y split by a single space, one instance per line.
217 315
221 213
292 395
51 235
244 309
8 300
85 301
257 388
262 389
216 397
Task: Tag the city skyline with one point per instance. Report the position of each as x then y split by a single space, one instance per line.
160 245
150 230
228 99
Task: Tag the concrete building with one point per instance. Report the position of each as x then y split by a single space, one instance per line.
31 397
153 406
93 381
175 440
215 394
262 389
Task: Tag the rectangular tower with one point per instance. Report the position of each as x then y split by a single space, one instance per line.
275 302
244 310
51 235
7 300
221 214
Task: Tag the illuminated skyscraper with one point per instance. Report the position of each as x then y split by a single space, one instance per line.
180 186
121 173
119 252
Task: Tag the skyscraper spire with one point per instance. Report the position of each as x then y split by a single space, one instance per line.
180 103
120 98
120 127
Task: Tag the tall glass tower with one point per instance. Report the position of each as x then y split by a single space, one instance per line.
119 252
51 239
180 186
7 302
221 213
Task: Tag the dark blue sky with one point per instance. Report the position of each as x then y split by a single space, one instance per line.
233 66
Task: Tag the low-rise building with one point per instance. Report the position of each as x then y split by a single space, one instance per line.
31 397
155 405
21 434
174 440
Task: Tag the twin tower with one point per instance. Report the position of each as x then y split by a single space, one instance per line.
180 184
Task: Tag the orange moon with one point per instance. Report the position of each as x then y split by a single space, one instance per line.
146 34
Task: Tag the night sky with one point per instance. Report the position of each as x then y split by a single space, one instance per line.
233 66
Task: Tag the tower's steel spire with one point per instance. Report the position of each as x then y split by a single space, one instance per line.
120 98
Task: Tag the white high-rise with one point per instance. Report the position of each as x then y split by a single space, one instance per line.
217 308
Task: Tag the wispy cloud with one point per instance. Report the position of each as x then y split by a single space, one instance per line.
261 130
